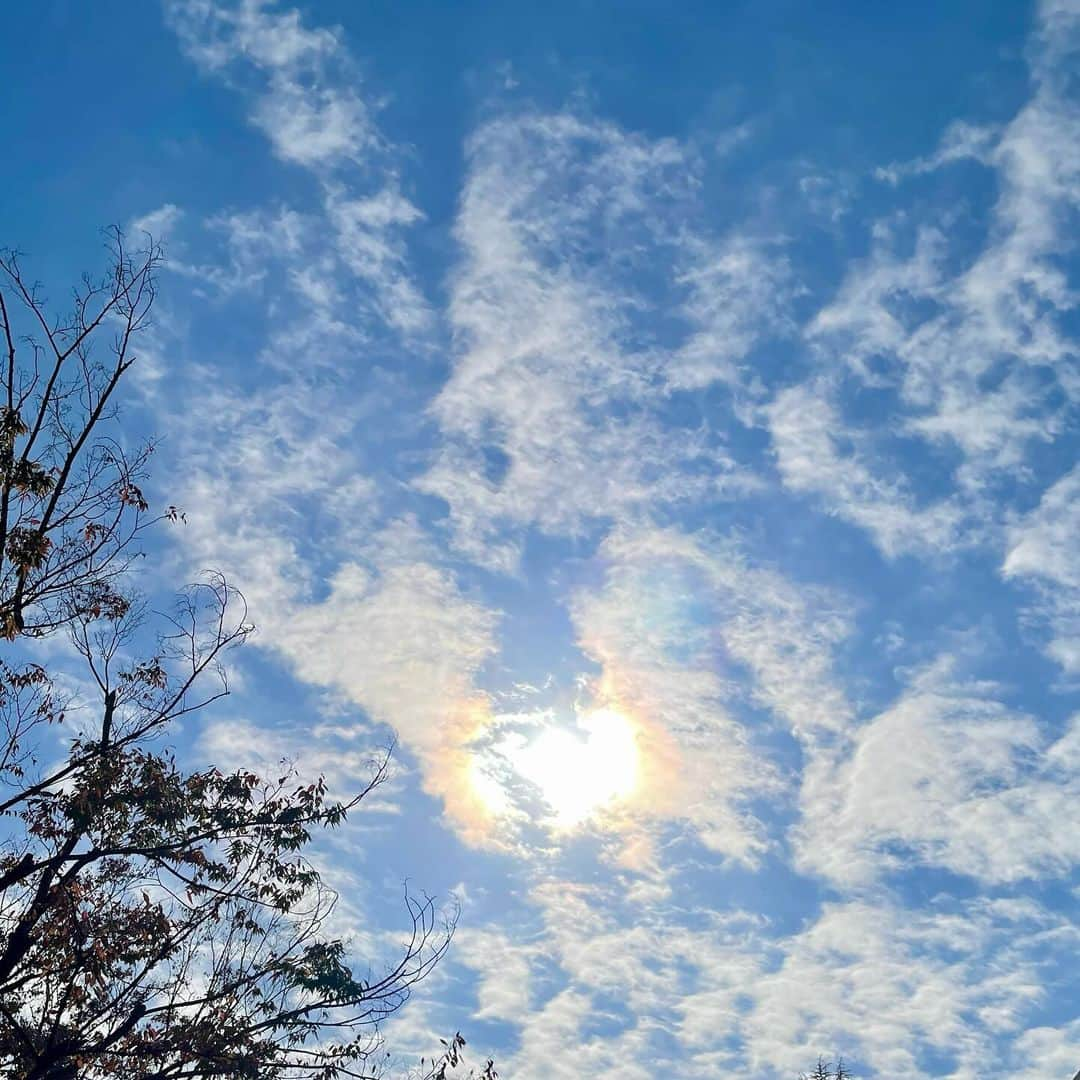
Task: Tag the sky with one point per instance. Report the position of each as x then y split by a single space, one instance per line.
662 418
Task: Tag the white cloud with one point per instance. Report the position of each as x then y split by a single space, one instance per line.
306 100
867 322
657 666
737 292
313 127
948 777
505 970
882 986
781 634
638 979
806 430
974 345
311 114
552 413
826 196
961 141
688 633
699 993
404 644
360 606
1044 544
344 760
214 33
1043 549
158 223
370 244
1045 1051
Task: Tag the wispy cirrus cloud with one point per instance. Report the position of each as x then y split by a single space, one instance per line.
806 427
947 776
636 414
556 414
691 639
1042 549
648 627
303 97
900 989
974 345
704 990
328 283
364 609
304 91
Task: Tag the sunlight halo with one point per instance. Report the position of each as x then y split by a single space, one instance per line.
581 772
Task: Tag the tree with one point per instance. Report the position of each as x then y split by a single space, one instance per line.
71 509
823 1070
452 1056
154 922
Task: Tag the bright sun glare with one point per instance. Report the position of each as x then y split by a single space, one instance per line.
578 773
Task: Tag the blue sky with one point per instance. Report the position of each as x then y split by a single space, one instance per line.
665 421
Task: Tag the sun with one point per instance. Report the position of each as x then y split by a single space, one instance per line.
580 772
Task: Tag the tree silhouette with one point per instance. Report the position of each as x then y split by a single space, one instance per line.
823 1070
